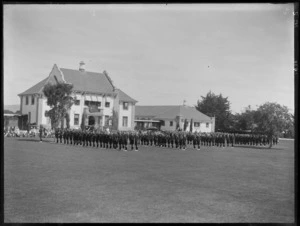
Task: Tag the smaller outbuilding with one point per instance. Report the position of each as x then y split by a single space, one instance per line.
173 117
11 121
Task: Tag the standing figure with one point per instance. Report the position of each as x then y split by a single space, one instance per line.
41 132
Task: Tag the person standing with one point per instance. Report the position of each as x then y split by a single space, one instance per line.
41 133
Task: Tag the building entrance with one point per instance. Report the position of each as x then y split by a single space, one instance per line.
91 120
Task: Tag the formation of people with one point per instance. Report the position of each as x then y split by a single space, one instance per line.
131 140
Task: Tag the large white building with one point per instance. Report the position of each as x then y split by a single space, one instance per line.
96 100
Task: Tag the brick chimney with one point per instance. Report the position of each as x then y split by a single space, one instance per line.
82 66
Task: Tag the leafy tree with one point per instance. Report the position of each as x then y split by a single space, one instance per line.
272 119
60 101
191 126
67 117
245 120
185 125
82 125
218 106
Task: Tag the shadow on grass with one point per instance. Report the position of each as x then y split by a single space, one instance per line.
257 147
35 140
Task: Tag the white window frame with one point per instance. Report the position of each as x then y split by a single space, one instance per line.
123 121
75 119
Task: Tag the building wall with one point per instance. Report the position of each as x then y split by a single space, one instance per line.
40 111
107 111
128 113
201 128
76 109
29 108
167 125
44 120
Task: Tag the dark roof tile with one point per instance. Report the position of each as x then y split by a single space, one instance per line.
171 112
124 97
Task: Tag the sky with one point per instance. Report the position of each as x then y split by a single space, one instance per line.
158 54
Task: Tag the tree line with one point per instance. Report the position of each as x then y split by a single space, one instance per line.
269 118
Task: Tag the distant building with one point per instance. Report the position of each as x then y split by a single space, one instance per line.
10 120
96 100
173 117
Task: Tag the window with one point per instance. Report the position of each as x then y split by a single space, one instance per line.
77 102
125 121
107 104
26 100
162 122
32 100
207 125
125 105
94 103
76 119
106 120
171 123
196 124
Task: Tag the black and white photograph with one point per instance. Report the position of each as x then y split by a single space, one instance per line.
149 113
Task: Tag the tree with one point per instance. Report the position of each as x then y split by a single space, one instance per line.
218 106
185 125
67 117
272 119
245 120
191 126
82 125
60 101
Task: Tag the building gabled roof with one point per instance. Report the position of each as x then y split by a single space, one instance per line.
87 81
82 81
171 112
37 88
152 111
124 97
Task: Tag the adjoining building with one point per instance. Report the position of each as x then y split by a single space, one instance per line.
171 118
97 100
10 120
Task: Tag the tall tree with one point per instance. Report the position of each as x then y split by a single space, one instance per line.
272 119
185 125
218 106
245 120
59 100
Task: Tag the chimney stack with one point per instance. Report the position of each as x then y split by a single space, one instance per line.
82 66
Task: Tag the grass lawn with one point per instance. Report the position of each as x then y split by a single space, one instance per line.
47 182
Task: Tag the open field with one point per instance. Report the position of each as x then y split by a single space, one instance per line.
47 182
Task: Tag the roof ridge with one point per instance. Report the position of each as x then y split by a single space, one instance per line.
158 105
81 71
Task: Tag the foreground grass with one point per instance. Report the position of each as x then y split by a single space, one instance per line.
46 182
